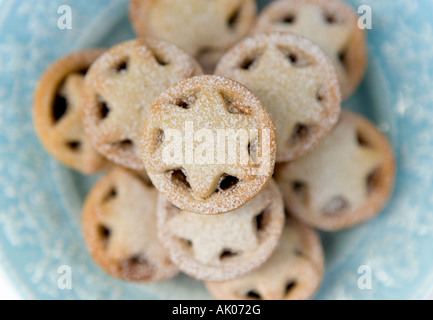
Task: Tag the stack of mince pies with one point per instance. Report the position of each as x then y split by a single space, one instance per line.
221 141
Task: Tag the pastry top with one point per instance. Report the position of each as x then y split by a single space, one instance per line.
293 272
57 112
225 246
295 81
331 24
119 224
119 90
223 142
345 180
198 27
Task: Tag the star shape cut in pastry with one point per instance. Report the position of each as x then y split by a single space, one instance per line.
298 87
346 180
332 38
225 246
331 24
120 89
57 112
119 227
132 225
201 111
337 169
209 112
289 96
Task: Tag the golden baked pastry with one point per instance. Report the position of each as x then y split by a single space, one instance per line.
204 29
295 81
294 271
226 246
57 112
119 226
345 181
121 86
332 25
223 143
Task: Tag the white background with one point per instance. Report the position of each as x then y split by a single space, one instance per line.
7 292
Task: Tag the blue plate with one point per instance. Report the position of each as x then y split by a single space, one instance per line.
40 200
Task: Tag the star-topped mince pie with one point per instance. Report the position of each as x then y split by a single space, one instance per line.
345 181
295 81
119 226
121 86
57 112
209 145
226 246
332 25
204 29
293 272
